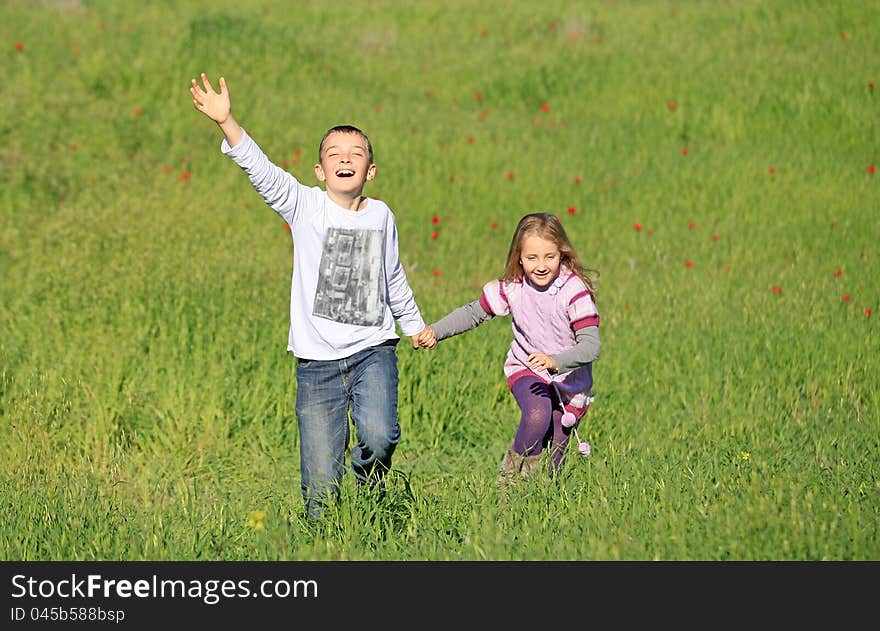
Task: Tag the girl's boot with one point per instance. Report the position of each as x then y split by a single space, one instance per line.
531 465
511 467
516 467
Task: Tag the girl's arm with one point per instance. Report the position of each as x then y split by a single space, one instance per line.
585 350
463 319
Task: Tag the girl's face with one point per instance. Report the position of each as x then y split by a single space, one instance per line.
539 259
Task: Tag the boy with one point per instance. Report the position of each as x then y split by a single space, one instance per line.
348 287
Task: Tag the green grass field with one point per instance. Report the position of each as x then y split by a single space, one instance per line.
714 160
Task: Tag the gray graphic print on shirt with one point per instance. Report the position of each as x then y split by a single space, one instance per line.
351 277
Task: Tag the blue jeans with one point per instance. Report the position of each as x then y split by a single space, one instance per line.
364 385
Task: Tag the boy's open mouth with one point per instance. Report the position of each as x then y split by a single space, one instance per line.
344 173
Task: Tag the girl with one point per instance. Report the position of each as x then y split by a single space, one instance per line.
550 297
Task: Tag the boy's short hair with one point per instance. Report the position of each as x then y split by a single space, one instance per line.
346 129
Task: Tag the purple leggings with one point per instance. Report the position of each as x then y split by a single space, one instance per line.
541 424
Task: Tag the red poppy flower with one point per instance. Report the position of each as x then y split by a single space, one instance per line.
772 170
684 151
184 176
167 169
19 46
868 312
471 139
776 289
436 272
545 107
509 175
577 180
671 105
871 86
435 219
846 297
714 237
844 36
572 210
435 234
637 227
692 225
493 225
871 169
478 96
838 272
430 94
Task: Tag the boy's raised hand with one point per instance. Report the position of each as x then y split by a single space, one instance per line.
214 105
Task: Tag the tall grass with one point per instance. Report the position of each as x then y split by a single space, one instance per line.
711 159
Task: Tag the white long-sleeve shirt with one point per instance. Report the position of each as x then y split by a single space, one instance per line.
348 285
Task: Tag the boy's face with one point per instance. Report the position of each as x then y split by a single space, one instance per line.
345 164
539 259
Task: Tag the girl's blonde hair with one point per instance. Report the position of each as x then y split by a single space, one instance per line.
548 227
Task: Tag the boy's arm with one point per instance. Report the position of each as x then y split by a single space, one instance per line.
400 295
217 107
280 190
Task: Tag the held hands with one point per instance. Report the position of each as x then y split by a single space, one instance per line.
425 339
214 105
539 361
